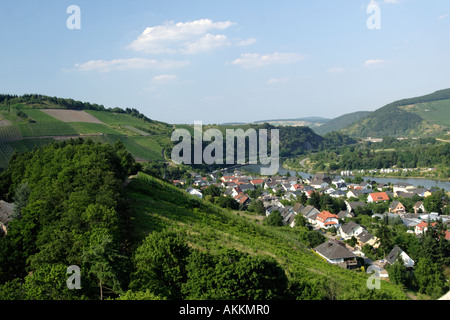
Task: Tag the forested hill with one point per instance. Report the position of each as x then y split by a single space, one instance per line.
148 239
422 116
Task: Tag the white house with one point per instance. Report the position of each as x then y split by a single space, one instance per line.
392 257
350 230
194 192
327 220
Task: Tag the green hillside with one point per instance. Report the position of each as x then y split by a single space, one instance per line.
159 206
415 117
23 126
338 123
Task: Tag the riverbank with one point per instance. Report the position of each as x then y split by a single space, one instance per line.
375 175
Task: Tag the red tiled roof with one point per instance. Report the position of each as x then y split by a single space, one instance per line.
379 196
324 215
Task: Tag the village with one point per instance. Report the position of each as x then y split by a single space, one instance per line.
345 237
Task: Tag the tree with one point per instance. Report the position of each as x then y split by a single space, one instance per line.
429 277
102 260
274 219
160 265
20 199
300 220
398 272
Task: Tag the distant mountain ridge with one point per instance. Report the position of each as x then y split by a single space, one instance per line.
423 116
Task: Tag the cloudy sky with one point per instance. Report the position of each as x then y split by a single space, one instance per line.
227 61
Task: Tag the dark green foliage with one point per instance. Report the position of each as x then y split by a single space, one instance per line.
160 263
71 213
232 275
274 219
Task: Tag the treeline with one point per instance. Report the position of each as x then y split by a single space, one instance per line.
387 154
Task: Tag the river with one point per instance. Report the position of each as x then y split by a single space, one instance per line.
426 183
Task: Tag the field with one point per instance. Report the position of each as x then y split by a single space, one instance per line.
71 115
145 140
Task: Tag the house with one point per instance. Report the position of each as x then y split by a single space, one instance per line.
297 208
257 182
247 186
345 214
402 187
351 206
310 213
194 192
419 207
377 197
242 199
366 238
327 220
397 207
296 187
355 193
335 252
350 230
319 184
422 227
392 257
321 176
338 194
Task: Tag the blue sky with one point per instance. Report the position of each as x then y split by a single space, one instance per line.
227 61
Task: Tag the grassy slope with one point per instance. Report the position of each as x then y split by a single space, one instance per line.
143 139
158 205
341 122
406 118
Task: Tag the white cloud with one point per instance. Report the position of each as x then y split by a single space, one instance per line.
246 42
374 62
444 16
336 70
172 37
127 64
206 43
164 78
255 60
277 80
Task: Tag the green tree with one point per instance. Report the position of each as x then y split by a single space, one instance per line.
101 259
160 263
398 272
274 219
20 199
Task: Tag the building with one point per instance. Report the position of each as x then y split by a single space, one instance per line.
397 207
422 227
377 197
419 207
335 252
392 257
326 220
194 192
350 230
